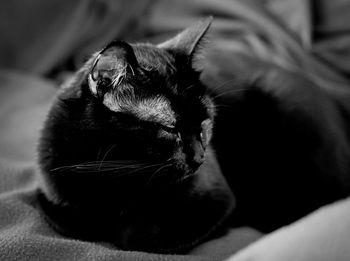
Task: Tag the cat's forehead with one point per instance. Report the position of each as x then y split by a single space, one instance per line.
152 109
152 58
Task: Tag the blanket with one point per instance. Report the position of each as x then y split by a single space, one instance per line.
25 235
63 33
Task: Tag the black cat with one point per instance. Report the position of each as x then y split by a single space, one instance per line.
126 153
125 150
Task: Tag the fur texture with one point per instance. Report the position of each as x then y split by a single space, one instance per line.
125 154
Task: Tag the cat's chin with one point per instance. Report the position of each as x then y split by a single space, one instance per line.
189 174
186 177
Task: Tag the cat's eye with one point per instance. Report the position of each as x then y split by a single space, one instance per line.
169 128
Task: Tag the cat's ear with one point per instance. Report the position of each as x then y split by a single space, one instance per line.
111 66
189 39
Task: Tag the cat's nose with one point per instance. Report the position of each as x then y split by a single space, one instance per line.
197 157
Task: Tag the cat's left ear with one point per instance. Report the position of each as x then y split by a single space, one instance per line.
189 39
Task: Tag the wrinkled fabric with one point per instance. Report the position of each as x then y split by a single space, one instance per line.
322 236
26 235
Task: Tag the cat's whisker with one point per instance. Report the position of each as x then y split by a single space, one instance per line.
99 166
119 168
63 168
108 151
217 88
143 168
96 164
228 92
156 172
60 168
110 167
114 162
187 88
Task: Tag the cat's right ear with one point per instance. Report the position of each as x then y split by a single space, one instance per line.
111 66
188 41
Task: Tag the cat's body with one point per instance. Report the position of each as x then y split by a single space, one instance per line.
289 146
126 155
123 161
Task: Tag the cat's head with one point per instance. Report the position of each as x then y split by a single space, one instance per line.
136 110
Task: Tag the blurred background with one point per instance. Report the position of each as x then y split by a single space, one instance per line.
44 42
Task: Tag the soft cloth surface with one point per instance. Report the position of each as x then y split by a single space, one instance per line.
25 235
322 236
245 35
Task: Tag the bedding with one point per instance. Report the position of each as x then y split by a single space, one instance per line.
322 236
246 38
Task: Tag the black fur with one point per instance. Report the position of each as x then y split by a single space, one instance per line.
289 153
135 169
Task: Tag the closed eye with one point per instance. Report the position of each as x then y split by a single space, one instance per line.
168 128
